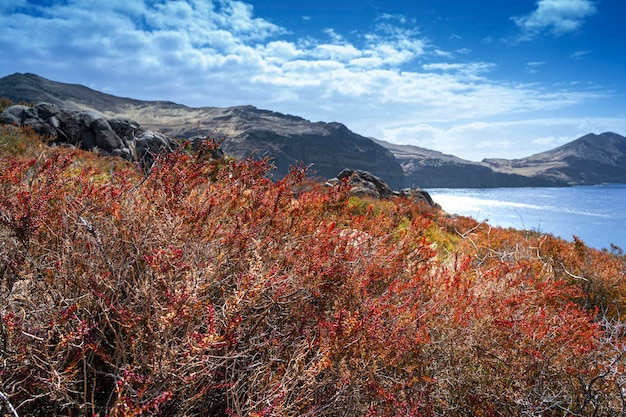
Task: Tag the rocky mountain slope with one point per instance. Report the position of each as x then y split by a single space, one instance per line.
331 147
591 159
432 169
246 130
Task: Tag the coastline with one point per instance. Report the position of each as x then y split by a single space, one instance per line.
592 212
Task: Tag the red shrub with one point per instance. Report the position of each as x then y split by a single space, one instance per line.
207 289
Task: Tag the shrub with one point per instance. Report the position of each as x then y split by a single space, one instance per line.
204 288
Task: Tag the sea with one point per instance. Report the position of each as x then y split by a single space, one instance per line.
596 214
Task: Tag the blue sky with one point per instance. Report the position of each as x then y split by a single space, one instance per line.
476 79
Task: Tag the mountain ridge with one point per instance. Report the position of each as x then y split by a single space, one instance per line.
331 147
326 147
604 161
434 169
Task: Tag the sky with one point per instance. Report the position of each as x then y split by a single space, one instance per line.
473 78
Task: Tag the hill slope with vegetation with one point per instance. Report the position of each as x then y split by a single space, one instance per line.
204 288
331 147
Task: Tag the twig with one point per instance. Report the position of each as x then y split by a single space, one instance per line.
572 275
8 403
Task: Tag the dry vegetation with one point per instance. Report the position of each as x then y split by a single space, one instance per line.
204 288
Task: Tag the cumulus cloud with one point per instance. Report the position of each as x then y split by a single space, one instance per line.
395 45
555 16
345 52
385 82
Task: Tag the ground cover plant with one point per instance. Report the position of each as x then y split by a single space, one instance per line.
203 287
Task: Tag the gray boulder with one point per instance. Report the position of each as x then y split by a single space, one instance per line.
417 194
149 144
210 148
14 115
363 183
91 130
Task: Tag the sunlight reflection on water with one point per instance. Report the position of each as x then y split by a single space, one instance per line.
596 214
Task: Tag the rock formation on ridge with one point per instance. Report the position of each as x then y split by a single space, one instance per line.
363 183
91 131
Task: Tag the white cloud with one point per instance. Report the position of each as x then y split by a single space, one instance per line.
394 45
533 67
389 16
515 139
365 63
334 36
279 51
578 55
442 53
336 52
471 68
550 141
555 16
383 83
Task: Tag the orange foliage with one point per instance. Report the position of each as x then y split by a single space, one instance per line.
204 288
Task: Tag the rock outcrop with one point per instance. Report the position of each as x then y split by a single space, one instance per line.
90 130
363 183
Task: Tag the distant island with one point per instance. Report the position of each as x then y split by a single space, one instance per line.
330 147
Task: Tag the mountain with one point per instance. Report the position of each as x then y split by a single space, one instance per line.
331 147
246 130
32 88
432 169
591 159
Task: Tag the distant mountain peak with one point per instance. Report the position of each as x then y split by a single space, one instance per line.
331 147
590 159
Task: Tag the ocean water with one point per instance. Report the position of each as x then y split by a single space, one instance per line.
596 214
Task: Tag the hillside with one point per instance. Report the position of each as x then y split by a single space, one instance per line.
432 169
289 140
591 159
34 89
330 147
202 288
